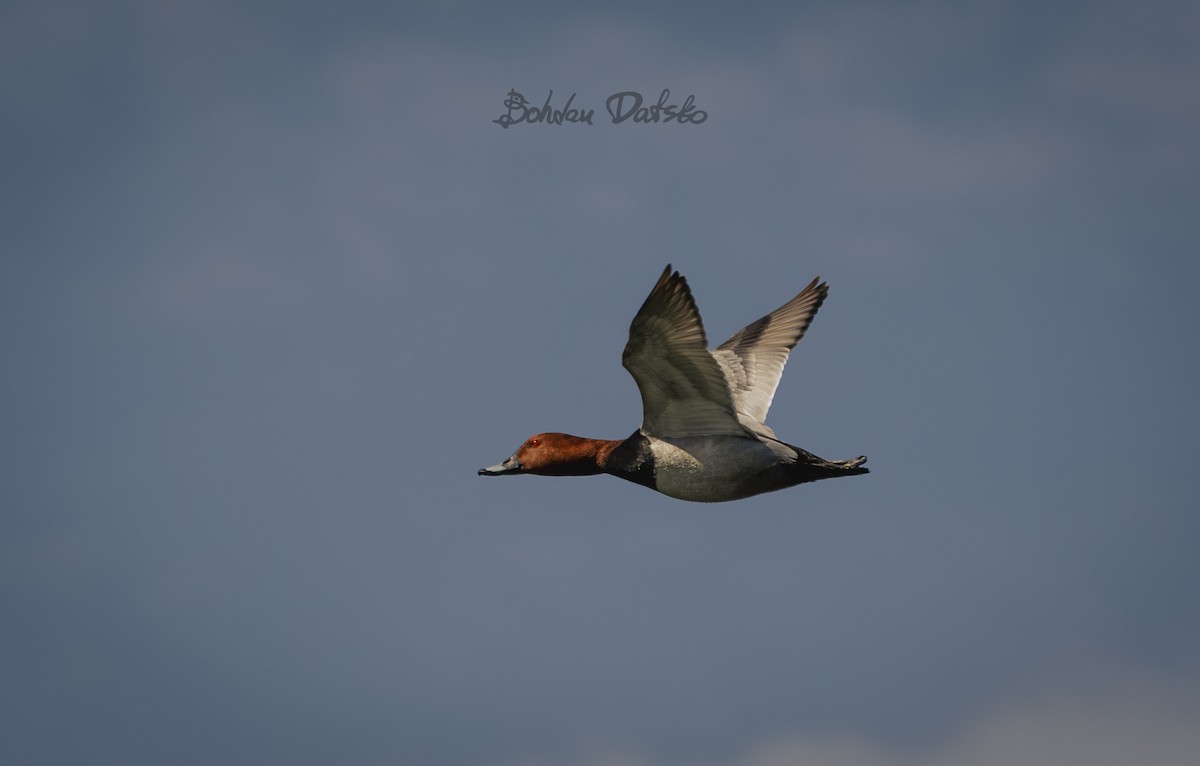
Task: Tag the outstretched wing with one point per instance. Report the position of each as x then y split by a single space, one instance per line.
684 391
754 358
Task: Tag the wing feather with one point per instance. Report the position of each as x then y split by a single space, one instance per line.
684 390
754 358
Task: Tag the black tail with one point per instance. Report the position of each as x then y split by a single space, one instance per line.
814 468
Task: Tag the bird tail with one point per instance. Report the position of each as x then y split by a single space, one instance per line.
819 468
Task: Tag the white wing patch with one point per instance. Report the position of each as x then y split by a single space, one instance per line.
754 358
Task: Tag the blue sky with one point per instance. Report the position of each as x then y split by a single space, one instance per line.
273 286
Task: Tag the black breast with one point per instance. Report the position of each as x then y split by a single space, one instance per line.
632 460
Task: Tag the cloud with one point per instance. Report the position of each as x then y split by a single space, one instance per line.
1117 721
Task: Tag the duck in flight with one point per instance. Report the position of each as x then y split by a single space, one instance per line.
703 436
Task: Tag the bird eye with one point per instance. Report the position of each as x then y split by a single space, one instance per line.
534 442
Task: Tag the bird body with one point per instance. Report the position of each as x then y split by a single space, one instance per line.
703 437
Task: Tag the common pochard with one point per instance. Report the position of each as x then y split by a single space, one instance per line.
702 437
